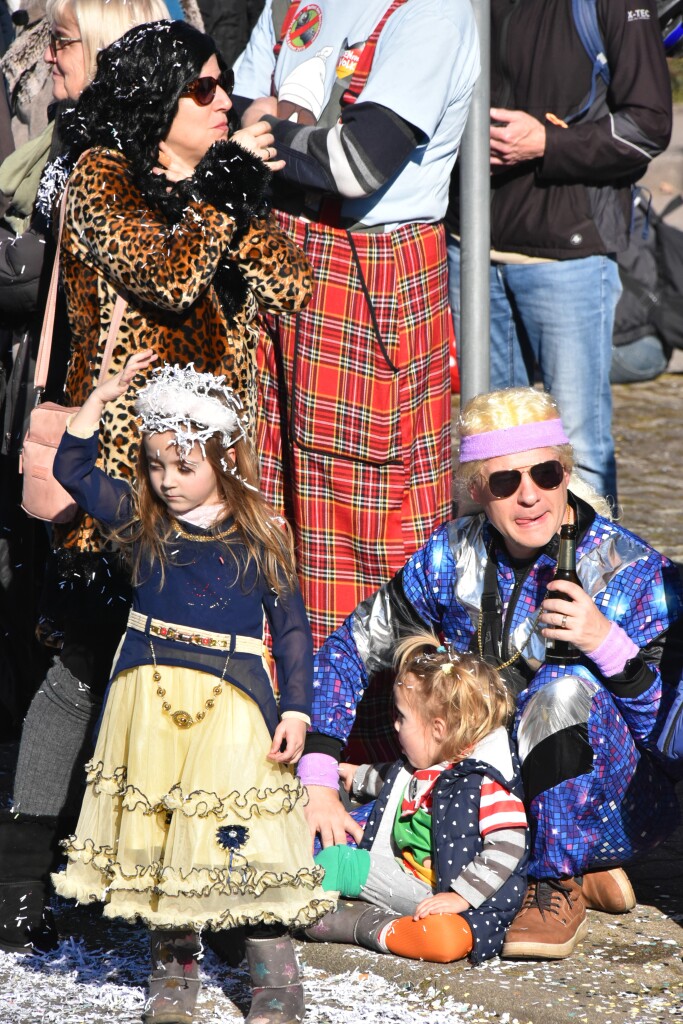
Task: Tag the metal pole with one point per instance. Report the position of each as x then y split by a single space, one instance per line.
475 224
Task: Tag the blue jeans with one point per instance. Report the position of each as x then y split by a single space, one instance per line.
643 359
557 316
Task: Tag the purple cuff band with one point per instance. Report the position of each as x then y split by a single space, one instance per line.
614 651
523 438
319 770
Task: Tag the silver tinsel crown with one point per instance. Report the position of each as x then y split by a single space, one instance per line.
187 403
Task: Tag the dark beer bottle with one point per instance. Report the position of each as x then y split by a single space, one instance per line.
563 651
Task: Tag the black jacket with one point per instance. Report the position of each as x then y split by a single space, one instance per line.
576 200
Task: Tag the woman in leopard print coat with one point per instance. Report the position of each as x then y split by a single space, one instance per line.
190 249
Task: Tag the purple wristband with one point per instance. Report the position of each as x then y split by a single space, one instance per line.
614 651
319 770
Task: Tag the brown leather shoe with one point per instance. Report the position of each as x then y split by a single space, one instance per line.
550 924
609 891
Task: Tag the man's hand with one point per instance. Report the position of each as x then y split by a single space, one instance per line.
326 815
258 109
515 137
578 620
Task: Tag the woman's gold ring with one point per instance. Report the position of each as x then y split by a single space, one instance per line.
563 624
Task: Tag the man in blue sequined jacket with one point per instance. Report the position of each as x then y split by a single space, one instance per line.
585 731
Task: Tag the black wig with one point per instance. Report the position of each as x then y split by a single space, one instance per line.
133 98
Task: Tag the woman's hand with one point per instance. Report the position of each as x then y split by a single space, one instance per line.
579 620
291 732
259 140
441 903
88 416
171 165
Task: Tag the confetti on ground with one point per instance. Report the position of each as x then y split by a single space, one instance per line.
82 984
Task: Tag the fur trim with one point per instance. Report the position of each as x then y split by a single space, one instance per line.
193 15
25 56
232 180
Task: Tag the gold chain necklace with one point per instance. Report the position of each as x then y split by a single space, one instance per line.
202 538
568 517
517 654
183 719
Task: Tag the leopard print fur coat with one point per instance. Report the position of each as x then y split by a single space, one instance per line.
195 285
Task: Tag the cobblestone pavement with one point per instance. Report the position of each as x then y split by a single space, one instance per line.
647 431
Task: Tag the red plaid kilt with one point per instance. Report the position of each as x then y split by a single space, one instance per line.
362 392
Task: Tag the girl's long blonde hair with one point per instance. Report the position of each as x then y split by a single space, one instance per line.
268 539
462 689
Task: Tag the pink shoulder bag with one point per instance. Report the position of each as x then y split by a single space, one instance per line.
42 497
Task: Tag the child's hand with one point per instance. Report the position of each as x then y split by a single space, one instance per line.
291 731
88 416
346 774
172 166
117 385
441 903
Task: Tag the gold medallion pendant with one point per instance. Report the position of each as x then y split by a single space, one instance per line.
183 719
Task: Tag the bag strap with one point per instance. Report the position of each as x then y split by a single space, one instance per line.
585 16
282 21
47 330
364 65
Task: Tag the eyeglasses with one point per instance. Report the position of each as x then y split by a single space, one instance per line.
58 43
203 90
546 475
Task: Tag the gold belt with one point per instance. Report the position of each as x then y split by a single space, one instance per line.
199 637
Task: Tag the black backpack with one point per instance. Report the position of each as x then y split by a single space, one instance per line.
651 272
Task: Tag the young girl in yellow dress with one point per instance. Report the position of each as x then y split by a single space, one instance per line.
192 816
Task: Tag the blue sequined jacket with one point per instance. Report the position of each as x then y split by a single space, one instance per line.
441 587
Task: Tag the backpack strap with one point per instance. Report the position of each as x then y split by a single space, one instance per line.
364 65
585 14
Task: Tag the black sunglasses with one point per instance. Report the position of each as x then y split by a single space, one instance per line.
203 90
546 475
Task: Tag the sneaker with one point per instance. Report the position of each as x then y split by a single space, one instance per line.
550 924
609 891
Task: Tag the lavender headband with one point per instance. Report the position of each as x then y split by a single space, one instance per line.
510 440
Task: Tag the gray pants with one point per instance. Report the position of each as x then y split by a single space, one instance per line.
388 885
56 740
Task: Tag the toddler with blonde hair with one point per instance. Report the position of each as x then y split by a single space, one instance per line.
445 847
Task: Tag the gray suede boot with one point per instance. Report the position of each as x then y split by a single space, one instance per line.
174 981
278 995
353 922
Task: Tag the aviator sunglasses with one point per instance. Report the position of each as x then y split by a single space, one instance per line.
546 475
203 90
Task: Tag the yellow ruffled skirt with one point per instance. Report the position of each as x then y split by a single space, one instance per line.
190 827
